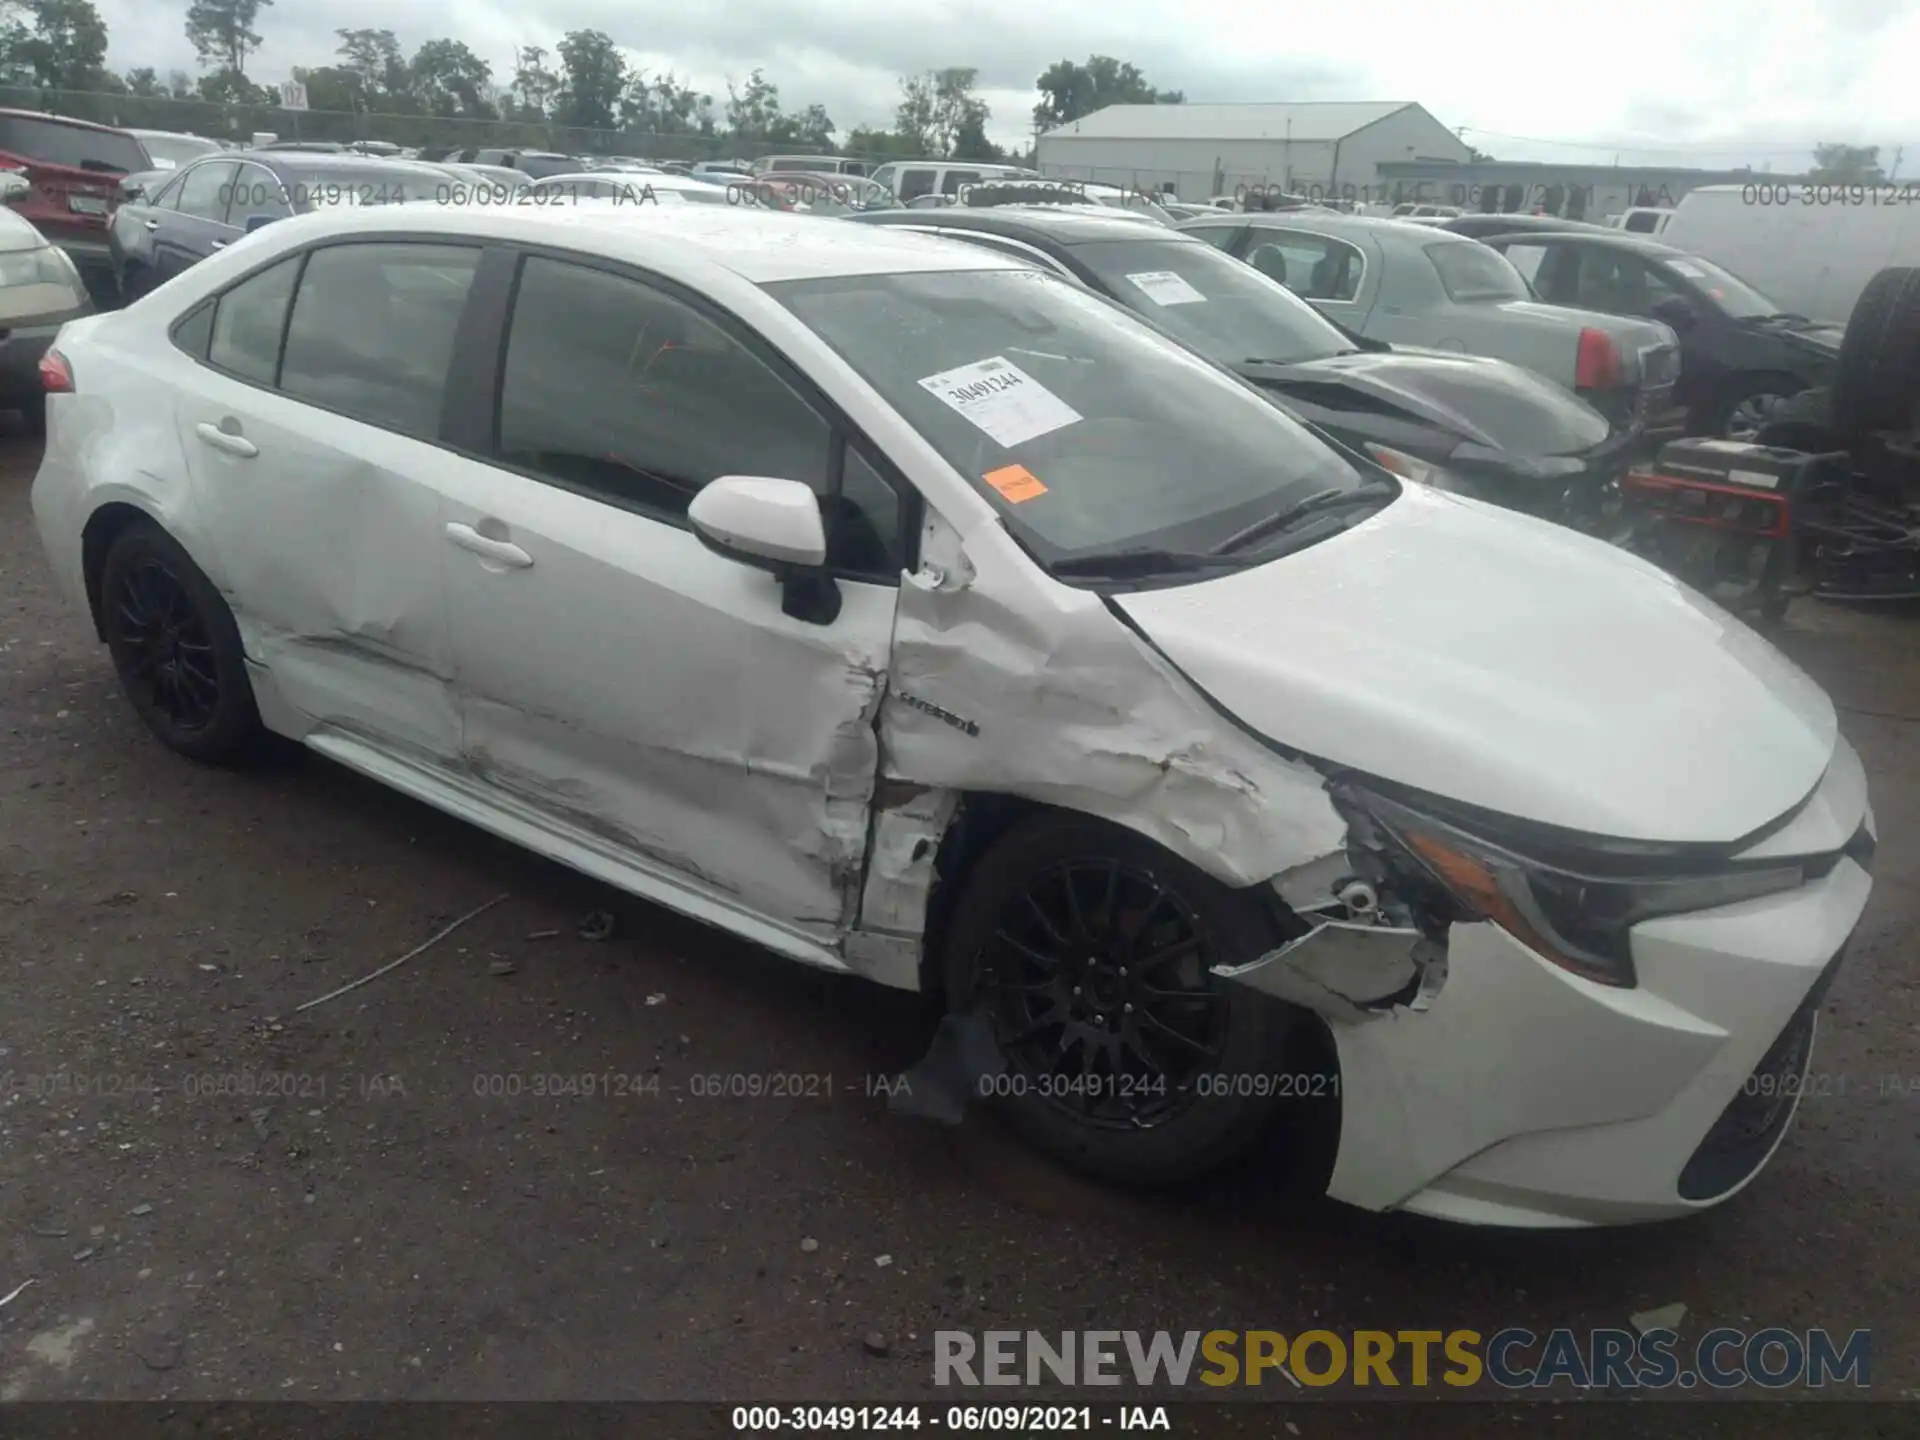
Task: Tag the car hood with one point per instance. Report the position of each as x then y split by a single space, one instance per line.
1485 401
1815 337
1504 662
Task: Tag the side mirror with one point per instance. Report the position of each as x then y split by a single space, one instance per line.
254 222
1673 311
13 185
772 525
130 190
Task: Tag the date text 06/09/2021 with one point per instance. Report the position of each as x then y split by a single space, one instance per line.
957 1419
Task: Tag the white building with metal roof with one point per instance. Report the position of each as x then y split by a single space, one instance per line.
1317 148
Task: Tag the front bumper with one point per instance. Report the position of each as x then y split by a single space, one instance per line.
1526 1096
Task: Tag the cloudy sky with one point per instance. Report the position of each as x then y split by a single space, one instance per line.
1702 82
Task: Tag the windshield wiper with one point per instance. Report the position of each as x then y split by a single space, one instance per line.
1148 560
1334 498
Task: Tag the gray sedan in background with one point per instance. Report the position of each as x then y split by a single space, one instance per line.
1413 285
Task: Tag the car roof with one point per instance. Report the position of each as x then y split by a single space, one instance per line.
760 246
636 179
14 114
1061 224
329 162
1611 239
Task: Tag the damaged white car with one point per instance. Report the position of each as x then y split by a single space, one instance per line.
916 614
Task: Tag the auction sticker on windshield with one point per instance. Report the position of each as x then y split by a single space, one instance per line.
1002 399
1163 287
1016 483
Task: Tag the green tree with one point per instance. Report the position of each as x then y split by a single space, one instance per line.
450 79
937 108
330 87
595 77
1846 165
65 45
881 144
222 33
812 128
380 75
753 110
179 85
1068 91
230 87
534 84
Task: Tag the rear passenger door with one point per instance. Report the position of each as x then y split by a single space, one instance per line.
196 224
310 415
625 687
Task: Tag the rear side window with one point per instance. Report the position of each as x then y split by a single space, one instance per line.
373 329
249 320
1470 271
914 184
205 190
951 182
75 146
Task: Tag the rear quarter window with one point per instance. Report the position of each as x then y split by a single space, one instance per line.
1470 271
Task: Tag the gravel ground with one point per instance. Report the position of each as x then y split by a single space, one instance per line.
225 1200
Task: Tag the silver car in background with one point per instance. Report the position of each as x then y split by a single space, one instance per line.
1411 285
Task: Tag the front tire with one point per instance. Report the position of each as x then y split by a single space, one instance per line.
176 648
1091 950
1750 405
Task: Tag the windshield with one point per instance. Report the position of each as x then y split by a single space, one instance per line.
172 151
1473 272
1089 431
1222 307
1726 289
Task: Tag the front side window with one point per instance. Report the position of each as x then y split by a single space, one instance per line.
913 184
1088 430
618 389
1474 273
249 320
205 190
373 328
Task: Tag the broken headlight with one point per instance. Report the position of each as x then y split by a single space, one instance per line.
1581 922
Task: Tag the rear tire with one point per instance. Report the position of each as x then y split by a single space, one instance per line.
1876 384
176 648
1091 951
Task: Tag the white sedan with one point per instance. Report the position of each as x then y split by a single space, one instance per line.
918 615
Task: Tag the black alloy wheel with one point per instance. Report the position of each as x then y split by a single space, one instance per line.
165 647
1102 993
176 647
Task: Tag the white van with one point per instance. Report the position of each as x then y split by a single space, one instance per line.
911 179
1804 246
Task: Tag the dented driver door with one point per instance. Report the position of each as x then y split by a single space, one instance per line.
638 692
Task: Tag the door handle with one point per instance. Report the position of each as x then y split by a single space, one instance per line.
219 245
503 552
153 224
230 441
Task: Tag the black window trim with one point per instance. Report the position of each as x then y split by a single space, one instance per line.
299 258
476 382
273 177
470 409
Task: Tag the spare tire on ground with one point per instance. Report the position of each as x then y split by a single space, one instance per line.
1876 384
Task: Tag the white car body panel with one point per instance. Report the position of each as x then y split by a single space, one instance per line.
791 782
1509 663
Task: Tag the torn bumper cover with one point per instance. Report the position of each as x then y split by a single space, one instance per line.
1483 1082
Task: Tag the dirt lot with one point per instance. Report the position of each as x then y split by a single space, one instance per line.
381 1225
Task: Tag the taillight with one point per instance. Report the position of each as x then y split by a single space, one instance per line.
56 375
1597 365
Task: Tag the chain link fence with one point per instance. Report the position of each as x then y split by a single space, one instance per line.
239 123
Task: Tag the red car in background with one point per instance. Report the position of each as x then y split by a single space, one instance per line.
73 170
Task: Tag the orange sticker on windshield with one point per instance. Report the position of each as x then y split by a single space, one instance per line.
1016 483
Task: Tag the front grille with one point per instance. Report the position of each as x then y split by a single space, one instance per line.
1745 1134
